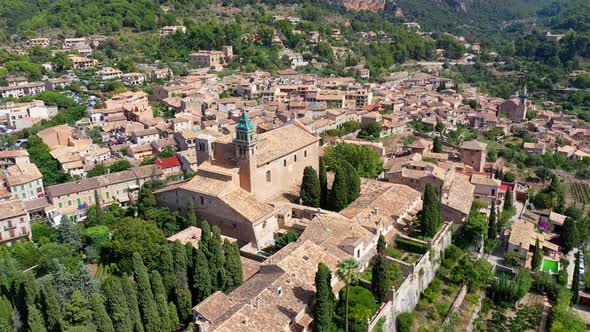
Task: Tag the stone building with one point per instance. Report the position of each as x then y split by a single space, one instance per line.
236 176
474 154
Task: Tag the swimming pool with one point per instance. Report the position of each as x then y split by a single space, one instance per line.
550 265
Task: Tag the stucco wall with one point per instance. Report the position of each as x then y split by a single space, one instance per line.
406 297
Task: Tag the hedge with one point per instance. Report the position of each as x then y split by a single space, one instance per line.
410 245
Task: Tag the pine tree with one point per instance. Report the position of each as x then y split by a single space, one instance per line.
101 319
430 218
310 188
202 277
492 224
217 260
353 180
508 201
117 303
77 310
6 322
324 300
381 281
160 298
174 321
205 241
537 256
35 322
51 307
323 178
338 198
145 297
166 269
132 302
191 216
233 266
437 145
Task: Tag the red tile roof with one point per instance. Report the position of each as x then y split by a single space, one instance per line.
168 162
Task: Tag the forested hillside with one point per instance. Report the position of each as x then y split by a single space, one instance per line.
469 17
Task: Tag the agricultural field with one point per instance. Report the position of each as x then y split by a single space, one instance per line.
580 192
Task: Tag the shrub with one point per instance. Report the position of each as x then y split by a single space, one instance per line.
404 322
410 245
514 259
441 307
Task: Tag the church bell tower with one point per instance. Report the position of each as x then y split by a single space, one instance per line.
245 143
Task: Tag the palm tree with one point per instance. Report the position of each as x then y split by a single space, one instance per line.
346 271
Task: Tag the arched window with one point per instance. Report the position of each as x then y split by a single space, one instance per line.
268 176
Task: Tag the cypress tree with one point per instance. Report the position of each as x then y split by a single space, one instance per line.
6 322
35 322
381 245
353 180
202 277
576 281
381 278
191 215
27 293
160 298
183 297
166 269
146 198
101 319
310 188
492 224
537 256
145 297
51 308
338 198
233 266
117 303
323 178
179 254
569 234
324 300
217 261
205 241
437 145
508 201
132 302
174 321
430 218
190 252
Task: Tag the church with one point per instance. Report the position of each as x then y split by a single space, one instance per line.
239 176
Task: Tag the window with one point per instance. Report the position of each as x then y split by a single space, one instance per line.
295 158
22 187
285 163
267 176
202 200
60 205
108 195
305 154
69 203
